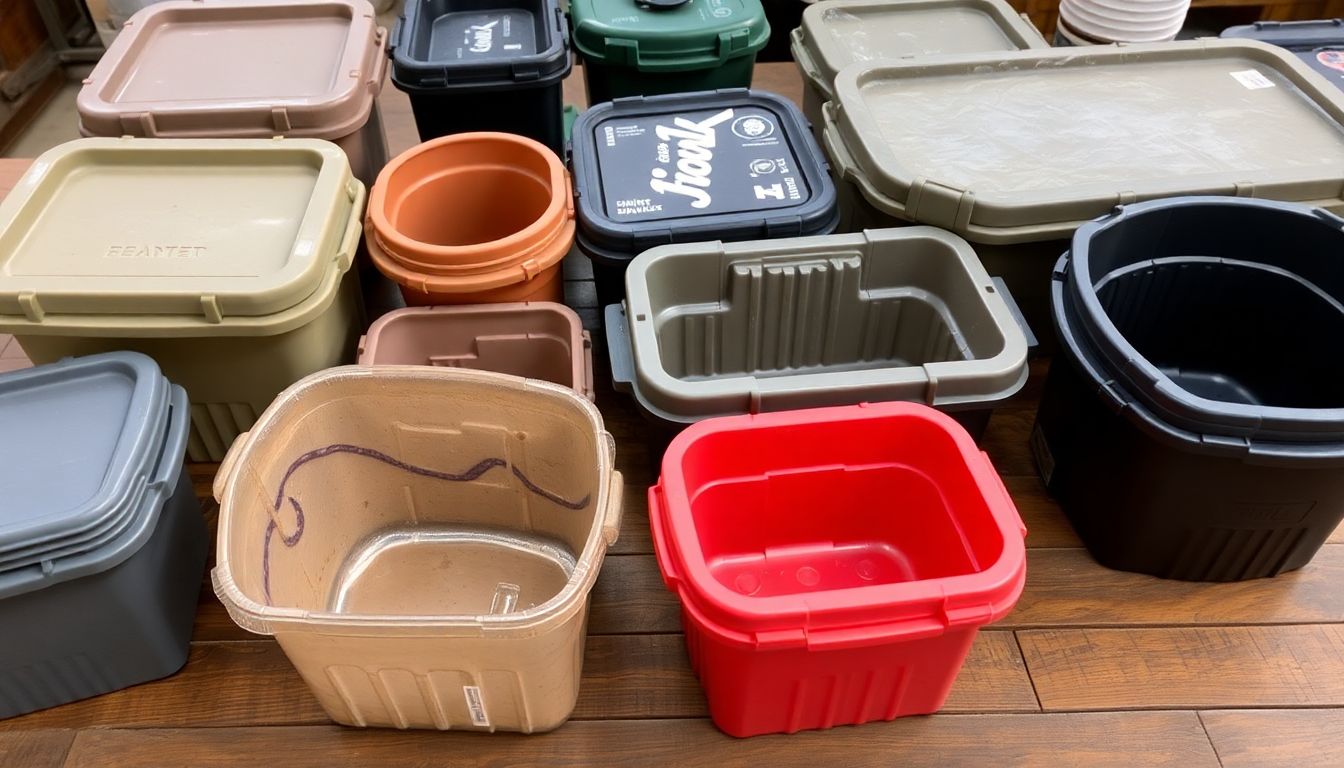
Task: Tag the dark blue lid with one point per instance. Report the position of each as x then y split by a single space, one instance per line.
458 44
1293 35
732 164
1320 44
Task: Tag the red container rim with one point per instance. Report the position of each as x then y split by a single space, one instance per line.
848 617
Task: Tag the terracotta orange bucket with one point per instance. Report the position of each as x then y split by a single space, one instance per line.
473 218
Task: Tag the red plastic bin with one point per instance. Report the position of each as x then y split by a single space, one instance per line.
834 564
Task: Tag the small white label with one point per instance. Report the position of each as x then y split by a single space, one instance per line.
475 705
1252 79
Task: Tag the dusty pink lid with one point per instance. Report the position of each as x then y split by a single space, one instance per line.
238 68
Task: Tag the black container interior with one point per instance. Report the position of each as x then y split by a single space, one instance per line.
443 28
1234 304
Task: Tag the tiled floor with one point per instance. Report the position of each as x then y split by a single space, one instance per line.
58 123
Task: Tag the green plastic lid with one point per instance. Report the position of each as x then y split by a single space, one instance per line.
668 35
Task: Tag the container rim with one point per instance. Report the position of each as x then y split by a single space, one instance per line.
332 115
416 75
140 438
924 608
148 494
949 383
1298 36
1167 400
262 619
579 343
650 49
900 190
543 242
827 55
819 214
323 249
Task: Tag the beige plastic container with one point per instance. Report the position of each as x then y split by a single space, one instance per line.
227 261
422 542
535 340
230 69
837 33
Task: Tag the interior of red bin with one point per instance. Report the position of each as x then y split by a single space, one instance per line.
837 505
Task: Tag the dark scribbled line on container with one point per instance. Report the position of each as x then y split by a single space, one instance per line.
475 472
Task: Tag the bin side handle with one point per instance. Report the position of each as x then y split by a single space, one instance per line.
1002 289
588 384
611 516
383 44
354 228
842 161
1003 491
226 467
618 348
661 547
169 465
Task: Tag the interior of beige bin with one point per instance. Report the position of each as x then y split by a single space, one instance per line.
908 305
406 497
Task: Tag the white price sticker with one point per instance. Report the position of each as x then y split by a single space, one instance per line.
1252 79
476 706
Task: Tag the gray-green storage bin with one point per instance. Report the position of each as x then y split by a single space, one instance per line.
837 33
716 329
102 542
1014 150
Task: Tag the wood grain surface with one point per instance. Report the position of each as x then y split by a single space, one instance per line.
1094 668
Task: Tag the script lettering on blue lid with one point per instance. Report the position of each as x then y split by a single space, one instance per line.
482 35
712 161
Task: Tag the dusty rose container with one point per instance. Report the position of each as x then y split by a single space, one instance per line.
536 340
233 69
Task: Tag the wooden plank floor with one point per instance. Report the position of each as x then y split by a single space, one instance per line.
1094 668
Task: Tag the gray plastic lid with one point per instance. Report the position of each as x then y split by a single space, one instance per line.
714 329
81 438
1025 146
147 503
731 164
837 33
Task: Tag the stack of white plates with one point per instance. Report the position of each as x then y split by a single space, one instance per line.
1121 21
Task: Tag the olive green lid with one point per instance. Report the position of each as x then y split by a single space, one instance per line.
837 33
1024 146
668 35
175 233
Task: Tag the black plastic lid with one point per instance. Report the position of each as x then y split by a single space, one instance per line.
1293 35
732 164
516 43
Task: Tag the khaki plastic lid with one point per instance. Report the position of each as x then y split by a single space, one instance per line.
1024 146
239 68
837 33
204 228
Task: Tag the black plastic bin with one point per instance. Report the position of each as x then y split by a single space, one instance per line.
1318 43
471 65
730 165
1193 425
102 542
